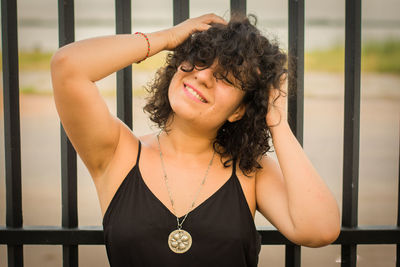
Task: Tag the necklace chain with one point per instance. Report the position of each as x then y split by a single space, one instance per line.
169 192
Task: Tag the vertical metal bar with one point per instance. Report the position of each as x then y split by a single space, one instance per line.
397 255
292 255
349 255
12 136
181 10
238 7
398 212
69 196
296 68
124 76
66 33
351 125
296 94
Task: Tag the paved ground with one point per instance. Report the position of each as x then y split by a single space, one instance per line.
379 154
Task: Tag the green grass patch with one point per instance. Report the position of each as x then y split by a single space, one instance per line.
35 60
32 90
152 63
381 57
28 90
38 60
330 60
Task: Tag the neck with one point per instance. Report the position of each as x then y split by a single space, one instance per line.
183 140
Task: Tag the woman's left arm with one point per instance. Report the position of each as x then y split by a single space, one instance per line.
294 197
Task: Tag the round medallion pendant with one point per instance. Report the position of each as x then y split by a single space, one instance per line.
179 241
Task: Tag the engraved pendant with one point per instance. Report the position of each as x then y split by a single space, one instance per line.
179 241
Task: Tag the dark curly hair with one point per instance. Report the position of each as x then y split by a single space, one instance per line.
257 65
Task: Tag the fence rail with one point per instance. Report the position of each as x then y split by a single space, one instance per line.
70 236
93 235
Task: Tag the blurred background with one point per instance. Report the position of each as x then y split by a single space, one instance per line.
323 112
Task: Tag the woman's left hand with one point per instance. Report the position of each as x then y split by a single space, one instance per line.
277 113
290 193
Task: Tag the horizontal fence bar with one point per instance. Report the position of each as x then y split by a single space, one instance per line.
93 235
367 235
52 235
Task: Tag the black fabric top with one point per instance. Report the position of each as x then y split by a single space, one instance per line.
137 225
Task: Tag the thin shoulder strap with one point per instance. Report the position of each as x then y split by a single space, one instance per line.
234 167
138 154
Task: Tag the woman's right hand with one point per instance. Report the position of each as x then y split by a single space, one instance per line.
179 33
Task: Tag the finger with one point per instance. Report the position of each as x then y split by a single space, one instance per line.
212 18
219 19
204 27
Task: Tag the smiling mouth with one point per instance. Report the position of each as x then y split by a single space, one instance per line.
194 93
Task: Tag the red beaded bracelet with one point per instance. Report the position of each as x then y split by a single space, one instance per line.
148 45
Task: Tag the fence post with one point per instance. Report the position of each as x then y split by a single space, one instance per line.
12 136
180 10
295 94
66 33
124 76
239 7
351 125
398 209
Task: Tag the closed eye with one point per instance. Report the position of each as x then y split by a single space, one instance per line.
219 76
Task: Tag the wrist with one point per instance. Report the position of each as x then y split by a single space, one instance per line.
148 45
156 41
164 37
277 129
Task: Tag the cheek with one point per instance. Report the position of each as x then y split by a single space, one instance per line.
171 94
230 100
176 96
173 85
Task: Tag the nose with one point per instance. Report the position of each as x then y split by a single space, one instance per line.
205 76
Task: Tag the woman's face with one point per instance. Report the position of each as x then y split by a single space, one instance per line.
199 97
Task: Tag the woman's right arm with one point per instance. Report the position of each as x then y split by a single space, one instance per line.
92 129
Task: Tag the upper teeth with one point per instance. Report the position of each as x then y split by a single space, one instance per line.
193 92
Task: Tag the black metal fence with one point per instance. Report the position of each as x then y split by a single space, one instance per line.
70 235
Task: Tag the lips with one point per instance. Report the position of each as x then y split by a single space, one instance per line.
195 93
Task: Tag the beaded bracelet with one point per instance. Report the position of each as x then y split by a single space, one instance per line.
148 45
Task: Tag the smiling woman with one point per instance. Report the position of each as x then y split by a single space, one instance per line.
189 193
243 67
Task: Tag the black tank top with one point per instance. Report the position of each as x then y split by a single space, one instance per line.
137 225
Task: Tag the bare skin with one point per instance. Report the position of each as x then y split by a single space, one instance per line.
291 195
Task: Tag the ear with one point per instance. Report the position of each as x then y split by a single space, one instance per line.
238 114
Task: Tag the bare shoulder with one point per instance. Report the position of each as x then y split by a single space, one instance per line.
148 140
125 159
126 156
269 170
